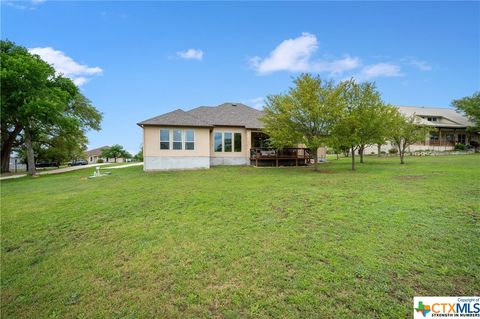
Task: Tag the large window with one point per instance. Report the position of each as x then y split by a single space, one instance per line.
461 138
227 141
237 142
177 139
189 139
164 139
218 142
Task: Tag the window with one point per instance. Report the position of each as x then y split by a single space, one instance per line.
189 139
237 142
164 139
177 139
461 138
218 142
432 119
433 137
227 140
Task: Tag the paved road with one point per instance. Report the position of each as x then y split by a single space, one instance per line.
57 171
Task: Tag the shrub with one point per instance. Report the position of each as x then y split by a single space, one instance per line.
460 147
99 161
393 150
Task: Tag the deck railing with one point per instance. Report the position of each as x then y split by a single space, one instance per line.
297 155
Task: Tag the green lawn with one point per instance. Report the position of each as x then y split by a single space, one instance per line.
242 242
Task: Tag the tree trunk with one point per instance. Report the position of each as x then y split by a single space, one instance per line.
401 153
8 140
5 158
360 151
315 163
379 149
30 155
353 159
337 157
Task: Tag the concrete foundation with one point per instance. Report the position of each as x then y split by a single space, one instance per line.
214 161
162 163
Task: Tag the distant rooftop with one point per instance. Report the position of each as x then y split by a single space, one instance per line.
447 113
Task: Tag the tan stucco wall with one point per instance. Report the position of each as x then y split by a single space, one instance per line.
245 142
151 140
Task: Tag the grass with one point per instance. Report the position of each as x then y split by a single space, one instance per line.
242 242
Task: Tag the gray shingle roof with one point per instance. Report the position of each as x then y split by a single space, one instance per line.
229 114
226 114
177 118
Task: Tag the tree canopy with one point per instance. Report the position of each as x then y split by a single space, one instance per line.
470 105
305 115
115 151
39 106
405 131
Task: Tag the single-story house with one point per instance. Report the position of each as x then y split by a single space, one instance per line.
232 134
94 155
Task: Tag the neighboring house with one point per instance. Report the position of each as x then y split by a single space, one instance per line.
448 128
94 155
232 134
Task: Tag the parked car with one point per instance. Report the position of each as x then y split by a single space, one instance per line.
78 163
47 164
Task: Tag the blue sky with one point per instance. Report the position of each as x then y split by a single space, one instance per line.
136 60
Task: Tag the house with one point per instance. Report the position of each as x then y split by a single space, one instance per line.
448 126
232 134
94 155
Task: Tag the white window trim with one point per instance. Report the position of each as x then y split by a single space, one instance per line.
185 139
169 139
222 134
181 139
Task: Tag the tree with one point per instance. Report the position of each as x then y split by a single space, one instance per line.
470 105
37 105
115 151
305 115
362 120
405 131
139 156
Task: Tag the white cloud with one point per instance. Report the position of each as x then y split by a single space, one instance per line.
295 55
257 102
191 54
419 64
378 70
23 5
66 65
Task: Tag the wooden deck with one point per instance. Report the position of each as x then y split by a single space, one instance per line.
292 156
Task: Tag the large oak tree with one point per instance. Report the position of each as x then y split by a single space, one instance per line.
37 104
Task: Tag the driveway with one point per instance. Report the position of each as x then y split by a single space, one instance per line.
58 171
